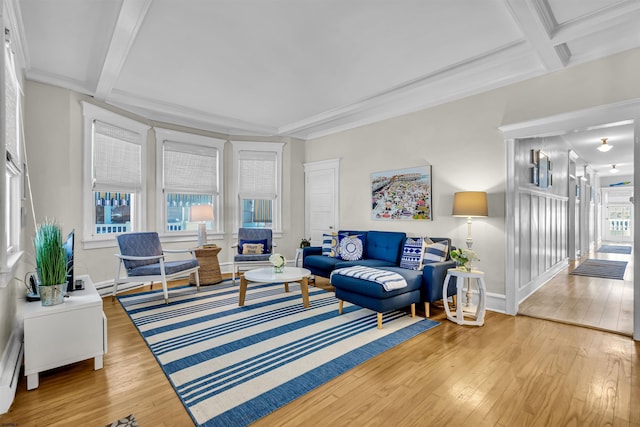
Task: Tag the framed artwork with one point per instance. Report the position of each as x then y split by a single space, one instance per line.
543 170
403 194
541 174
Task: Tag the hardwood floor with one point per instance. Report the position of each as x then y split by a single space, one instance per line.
514 371
605 304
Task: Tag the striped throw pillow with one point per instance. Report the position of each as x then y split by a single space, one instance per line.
435 251
330 245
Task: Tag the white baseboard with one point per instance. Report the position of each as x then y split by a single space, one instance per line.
10 370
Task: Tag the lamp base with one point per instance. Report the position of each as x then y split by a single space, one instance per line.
202 234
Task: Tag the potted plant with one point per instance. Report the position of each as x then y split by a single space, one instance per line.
51 262
305 243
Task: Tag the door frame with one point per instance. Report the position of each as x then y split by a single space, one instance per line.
557 125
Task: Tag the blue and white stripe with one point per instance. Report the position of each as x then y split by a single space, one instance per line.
389 280
232 365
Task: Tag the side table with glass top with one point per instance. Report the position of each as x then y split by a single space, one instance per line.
209 272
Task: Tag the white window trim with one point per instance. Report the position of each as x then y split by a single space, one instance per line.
188 138
276 147
90 113
10 215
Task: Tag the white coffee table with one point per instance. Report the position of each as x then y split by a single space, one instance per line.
267 275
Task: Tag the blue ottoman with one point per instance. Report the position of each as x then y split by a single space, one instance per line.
372 295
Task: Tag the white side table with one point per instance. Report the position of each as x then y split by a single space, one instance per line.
66 333
477 315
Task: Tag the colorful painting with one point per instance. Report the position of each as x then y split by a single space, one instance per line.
403 194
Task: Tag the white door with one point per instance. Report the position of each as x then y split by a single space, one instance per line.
321 199
617 221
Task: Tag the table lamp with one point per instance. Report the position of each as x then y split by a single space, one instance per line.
470 204
201 214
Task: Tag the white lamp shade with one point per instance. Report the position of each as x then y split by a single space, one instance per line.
470 204
201 213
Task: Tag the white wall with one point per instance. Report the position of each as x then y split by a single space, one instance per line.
55 144
462 142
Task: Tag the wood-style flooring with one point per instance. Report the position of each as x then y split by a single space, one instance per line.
513 371
605 304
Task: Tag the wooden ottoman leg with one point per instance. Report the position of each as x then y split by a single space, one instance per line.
379 320
413 310
426 309
340 304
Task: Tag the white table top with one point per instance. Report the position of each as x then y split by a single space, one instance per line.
267 275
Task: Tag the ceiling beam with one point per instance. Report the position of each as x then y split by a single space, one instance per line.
537 23
597 21
130 19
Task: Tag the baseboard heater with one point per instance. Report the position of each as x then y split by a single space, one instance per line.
10 371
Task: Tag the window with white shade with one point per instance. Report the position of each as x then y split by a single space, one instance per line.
115 153
258 183
190 175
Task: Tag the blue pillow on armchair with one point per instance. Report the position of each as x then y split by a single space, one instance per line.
263 242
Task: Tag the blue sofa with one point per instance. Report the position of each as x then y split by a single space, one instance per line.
383 250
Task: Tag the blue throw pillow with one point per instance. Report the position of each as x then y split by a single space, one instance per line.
412 253
435 251
263 242
351 247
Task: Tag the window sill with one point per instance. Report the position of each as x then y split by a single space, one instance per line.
193 237
109 242
8 272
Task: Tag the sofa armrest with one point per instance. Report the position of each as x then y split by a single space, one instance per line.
433 275
311 250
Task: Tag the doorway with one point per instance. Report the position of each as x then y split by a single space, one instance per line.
617 220
516 291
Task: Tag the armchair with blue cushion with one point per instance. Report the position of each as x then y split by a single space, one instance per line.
143 259
253 249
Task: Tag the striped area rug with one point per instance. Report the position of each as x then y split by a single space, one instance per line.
233 365
602 268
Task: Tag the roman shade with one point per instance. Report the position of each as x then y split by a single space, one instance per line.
117 158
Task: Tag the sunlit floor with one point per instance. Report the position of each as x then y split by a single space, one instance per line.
605 304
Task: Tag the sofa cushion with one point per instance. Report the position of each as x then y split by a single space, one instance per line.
412 253
384 245
436 251
351 247
322 263
365 262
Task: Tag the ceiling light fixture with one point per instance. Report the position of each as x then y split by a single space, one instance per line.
604 147
613 169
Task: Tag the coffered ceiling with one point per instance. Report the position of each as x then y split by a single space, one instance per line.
307 68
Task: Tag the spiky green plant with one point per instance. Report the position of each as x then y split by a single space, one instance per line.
51 257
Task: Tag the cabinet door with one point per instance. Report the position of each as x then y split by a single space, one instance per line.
63 337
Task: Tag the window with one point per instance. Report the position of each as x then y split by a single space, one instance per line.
115 178
258 183
11 169
189 171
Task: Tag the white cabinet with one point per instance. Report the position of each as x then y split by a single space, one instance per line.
65 333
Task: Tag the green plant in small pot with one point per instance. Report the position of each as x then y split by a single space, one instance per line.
51 261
